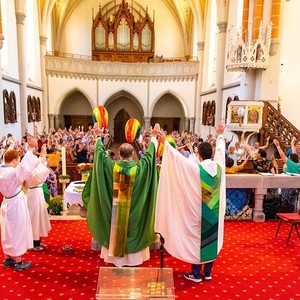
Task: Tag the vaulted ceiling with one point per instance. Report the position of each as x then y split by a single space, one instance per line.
186 12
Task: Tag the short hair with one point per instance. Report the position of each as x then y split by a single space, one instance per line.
126 150
10 155
262 152
229 162
294 157
205 150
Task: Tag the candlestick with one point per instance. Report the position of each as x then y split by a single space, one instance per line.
63 160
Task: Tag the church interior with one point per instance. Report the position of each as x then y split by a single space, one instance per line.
188 65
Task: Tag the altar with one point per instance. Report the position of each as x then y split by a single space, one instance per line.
72 194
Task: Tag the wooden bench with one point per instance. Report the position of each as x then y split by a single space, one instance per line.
291 218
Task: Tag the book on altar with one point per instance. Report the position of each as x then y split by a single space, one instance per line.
266 174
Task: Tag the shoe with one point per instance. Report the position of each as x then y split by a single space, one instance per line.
43 245
190 276
23 266
9 262
207 278
38 248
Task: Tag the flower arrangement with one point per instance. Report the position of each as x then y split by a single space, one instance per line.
84 168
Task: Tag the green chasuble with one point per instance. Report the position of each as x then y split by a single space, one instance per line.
120 200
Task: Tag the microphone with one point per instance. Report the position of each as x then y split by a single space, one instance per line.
161 238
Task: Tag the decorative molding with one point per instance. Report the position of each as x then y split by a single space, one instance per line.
43 40
20 18
95 70
1 40
200 46
222 26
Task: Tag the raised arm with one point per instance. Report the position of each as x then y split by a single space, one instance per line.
293 145
280 151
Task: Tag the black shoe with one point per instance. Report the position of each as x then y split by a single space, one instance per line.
190 276
23 266
9 262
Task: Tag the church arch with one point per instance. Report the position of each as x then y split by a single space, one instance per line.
169 112
75 110
120 107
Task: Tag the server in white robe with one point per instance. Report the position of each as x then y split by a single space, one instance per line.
36 203
16 229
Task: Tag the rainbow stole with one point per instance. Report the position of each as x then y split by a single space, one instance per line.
210 214
123 179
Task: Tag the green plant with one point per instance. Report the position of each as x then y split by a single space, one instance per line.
61 176
56 205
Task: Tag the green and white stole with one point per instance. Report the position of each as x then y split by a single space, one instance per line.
210 214
123 179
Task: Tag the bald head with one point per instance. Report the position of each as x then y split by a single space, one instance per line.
126 151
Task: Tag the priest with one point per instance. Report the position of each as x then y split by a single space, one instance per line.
120 198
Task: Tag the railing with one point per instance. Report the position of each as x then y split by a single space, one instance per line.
275 125
89 57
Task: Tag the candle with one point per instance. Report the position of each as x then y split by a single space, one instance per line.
63 160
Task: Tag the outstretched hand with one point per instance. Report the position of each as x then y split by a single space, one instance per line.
32 142
220 129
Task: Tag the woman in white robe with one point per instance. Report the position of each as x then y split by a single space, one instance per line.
16 229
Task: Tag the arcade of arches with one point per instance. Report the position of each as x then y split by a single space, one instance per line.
76 111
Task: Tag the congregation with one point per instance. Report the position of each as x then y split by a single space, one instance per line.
80 148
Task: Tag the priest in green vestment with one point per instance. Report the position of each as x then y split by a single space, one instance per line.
120 200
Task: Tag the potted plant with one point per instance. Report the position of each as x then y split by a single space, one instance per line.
56 205
64 178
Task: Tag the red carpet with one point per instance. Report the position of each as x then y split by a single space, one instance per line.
252 265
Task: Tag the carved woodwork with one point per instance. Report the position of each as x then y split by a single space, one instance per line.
33 109
10 107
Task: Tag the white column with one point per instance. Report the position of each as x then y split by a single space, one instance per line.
45 122
221 48
51 120
1 88
20 18
192 124
198 106
147 123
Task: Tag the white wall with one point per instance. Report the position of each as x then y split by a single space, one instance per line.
289 77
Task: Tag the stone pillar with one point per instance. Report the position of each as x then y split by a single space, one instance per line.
56 121
146 122
20 18
51 120
44 103
192 124
258 215
186 124
221 48
1 45
198 107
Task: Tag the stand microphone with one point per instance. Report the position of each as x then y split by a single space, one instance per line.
161 248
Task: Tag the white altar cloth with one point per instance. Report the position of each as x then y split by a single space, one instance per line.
71 195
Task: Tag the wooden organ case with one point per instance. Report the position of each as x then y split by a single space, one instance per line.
122 33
